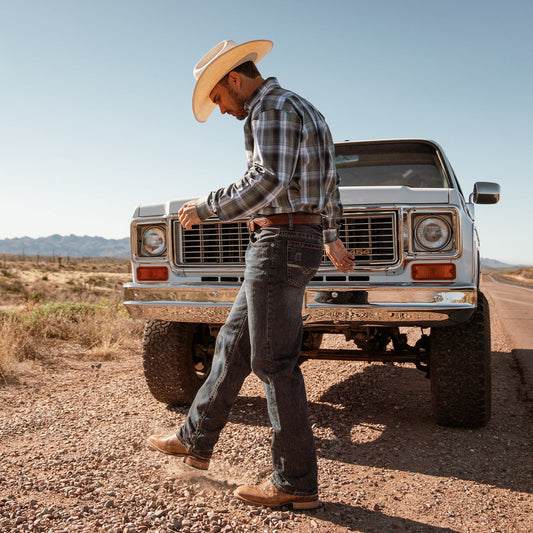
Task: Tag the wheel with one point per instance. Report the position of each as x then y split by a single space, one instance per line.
176 359
459 368
311 340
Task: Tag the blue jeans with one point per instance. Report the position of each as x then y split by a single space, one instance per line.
263 334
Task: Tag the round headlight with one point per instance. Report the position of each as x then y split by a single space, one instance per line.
154 241
432 233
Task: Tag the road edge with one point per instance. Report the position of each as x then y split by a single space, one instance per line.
524 361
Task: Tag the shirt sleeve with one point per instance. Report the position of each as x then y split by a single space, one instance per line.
332 210
276 135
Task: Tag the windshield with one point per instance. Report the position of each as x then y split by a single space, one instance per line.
412 164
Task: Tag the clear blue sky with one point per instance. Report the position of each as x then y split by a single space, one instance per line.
95 106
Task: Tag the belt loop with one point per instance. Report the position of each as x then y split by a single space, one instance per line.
291 222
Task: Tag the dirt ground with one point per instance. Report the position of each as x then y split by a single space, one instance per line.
73 454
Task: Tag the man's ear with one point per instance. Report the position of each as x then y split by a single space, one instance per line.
234 80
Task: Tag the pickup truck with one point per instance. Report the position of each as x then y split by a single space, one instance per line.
413 235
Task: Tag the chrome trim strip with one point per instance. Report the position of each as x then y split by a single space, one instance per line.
335 305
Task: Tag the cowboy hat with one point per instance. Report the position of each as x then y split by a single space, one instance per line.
220 60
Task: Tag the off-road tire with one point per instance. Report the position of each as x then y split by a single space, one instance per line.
168 361
460 371
311 340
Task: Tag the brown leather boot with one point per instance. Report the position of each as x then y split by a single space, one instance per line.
268 495
172 446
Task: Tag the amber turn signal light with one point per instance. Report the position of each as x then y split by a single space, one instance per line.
152 273
433 271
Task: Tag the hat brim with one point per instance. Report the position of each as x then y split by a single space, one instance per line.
202 105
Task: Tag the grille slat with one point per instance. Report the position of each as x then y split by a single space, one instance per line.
371 237
212 244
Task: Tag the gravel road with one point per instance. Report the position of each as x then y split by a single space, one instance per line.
73 455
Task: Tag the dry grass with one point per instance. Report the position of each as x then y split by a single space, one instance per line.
68 306
15 347
523 275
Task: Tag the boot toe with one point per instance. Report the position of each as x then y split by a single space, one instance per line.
172 446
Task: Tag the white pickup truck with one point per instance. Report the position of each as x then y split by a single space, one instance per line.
413 236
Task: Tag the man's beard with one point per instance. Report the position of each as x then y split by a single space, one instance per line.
240 112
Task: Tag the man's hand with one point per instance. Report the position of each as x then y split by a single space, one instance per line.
188 215
340 257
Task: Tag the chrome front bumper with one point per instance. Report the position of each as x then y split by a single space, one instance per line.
340 306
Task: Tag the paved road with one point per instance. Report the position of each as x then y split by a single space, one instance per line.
514 307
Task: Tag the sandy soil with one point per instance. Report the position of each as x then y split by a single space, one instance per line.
73 455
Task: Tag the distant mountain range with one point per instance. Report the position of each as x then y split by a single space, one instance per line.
75 246
67 246
494 264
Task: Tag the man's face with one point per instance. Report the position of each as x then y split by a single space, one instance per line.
229 100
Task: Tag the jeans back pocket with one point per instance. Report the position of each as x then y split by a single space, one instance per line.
303 260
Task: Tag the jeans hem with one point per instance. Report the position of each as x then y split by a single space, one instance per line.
200 455
292 492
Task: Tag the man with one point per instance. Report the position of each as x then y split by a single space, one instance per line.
290 191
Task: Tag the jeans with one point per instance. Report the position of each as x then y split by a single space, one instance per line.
263 334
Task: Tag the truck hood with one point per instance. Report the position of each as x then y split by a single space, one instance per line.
159 210
350 196
400 195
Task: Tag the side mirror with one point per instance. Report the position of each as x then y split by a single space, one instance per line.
485 192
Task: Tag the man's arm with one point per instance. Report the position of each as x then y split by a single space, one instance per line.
339 256
276 141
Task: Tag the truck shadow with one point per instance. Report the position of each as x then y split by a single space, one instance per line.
381 417
353 516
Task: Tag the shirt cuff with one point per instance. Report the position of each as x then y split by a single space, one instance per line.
204 209
330 235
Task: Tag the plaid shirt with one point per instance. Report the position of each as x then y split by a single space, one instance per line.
291 163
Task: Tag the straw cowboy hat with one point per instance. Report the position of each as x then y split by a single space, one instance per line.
220 60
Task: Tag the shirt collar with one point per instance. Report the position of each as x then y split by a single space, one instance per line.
257 95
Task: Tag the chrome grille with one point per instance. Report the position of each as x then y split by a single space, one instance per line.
212 243
371 237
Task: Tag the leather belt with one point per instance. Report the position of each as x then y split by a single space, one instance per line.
285 220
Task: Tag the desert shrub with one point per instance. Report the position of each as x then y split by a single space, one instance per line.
521 275
12 286
15 345
59 320
96 281
102 329
526 273
35 296
62 307
109 330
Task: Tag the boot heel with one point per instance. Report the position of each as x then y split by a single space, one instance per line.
196 463
312 504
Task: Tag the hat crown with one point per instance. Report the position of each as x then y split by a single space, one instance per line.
221 59
214 53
